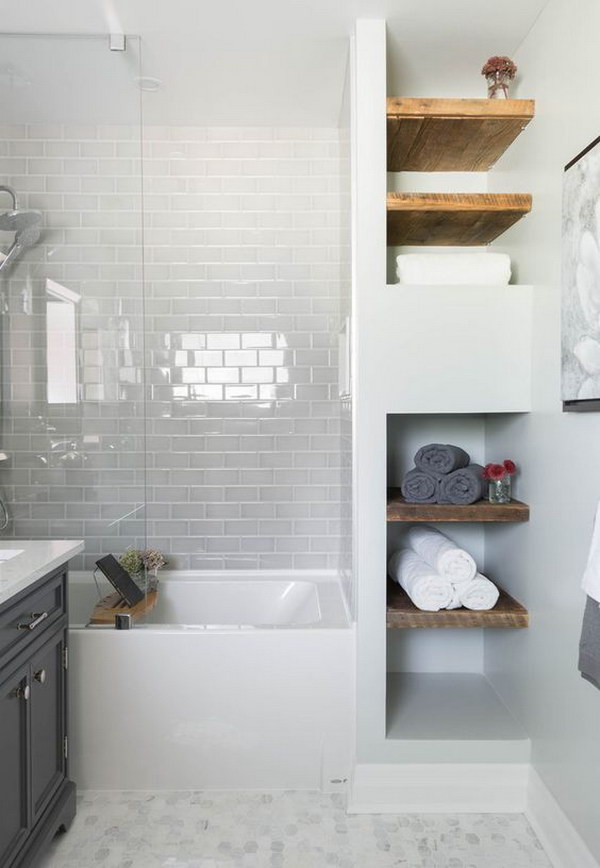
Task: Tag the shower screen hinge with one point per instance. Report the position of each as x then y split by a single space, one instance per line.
117 42
65 658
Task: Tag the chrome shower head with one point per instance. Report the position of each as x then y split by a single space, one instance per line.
28 236
25 224
25 238
19 221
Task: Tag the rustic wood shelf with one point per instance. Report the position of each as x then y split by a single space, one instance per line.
402 614
482 510
452 135
449 219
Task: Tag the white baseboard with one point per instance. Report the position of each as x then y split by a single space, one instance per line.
562 842
438 788
504 788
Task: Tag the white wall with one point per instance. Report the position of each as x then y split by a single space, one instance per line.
369 156
535 670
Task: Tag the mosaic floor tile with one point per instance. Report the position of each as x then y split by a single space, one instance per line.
281 830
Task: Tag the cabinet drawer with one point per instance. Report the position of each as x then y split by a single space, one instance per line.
25 620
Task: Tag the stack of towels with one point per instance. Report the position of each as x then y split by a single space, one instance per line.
443 474
466 269
437 574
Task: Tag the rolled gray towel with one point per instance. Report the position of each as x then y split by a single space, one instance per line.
440 458
463 486
420 487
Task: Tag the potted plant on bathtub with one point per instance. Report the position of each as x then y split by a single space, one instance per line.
143 565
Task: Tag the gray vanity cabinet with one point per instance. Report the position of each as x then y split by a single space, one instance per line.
48 725
36 797
14 820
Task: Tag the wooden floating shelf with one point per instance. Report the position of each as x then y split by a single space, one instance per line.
452 135
399 510
402 614
450 219
106 608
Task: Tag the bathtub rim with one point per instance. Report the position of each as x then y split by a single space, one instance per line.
320 578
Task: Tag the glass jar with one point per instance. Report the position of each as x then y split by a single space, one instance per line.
498 84
499 490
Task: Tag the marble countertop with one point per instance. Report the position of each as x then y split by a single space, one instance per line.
37 558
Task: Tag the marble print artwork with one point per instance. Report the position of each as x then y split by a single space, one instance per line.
281 830
581 279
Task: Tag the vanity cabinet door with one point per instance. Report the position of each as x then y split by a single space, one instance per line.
48 748
15 694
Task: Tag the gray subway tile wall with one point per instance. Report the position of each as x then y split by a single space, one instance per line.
207 420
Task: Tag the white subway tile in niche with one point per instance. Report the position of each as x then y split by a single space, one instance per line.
241 256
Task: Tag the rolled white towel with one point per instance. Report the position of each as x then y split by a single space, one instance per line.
480 594
457 589
441 553
428 590
591 576
468 269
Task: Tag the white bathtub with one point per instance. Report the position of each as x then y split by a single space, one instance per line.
235 681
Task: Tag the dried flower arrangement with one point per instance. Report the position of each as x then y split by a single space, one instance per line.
153 560
499 72
499 66
495 472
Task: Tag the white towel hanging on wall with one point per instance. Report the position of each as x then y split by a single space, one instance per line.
591 576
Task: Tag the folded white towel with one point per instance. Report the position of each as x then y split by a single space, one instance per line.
468 269
441 553
480 594
591 576
428 590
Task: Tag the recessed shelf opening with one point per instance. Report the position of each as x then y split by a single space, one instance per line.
447 706
439 699
439 139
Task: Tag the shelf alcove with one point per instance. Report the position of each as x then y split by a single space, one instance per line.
440 705
452 717
452 135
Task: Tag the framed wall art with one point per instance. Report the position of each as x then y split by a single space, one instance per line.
580 322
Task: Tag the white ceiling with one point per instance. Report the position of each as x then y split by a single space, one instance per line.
275 62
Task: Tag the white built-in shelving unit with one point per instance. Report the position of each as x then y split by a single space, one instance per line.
430 365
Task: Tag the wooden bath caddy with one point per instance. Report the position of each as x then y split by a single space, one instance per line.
106 608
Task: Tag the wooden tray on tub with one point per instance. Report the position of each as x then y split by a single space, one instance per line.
113 604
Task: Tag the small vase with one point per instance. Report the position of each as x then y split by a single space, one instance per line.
139 579
498 84
499 490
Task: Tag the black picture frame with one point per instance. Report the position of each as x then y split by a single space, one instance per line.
578 190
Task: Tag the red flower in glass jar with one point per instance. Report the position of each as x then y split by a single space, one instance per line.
510 466
499 66
496 472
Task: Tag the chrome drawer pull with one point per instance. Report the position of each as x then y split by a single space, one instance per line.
21 692
37 620
40 676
